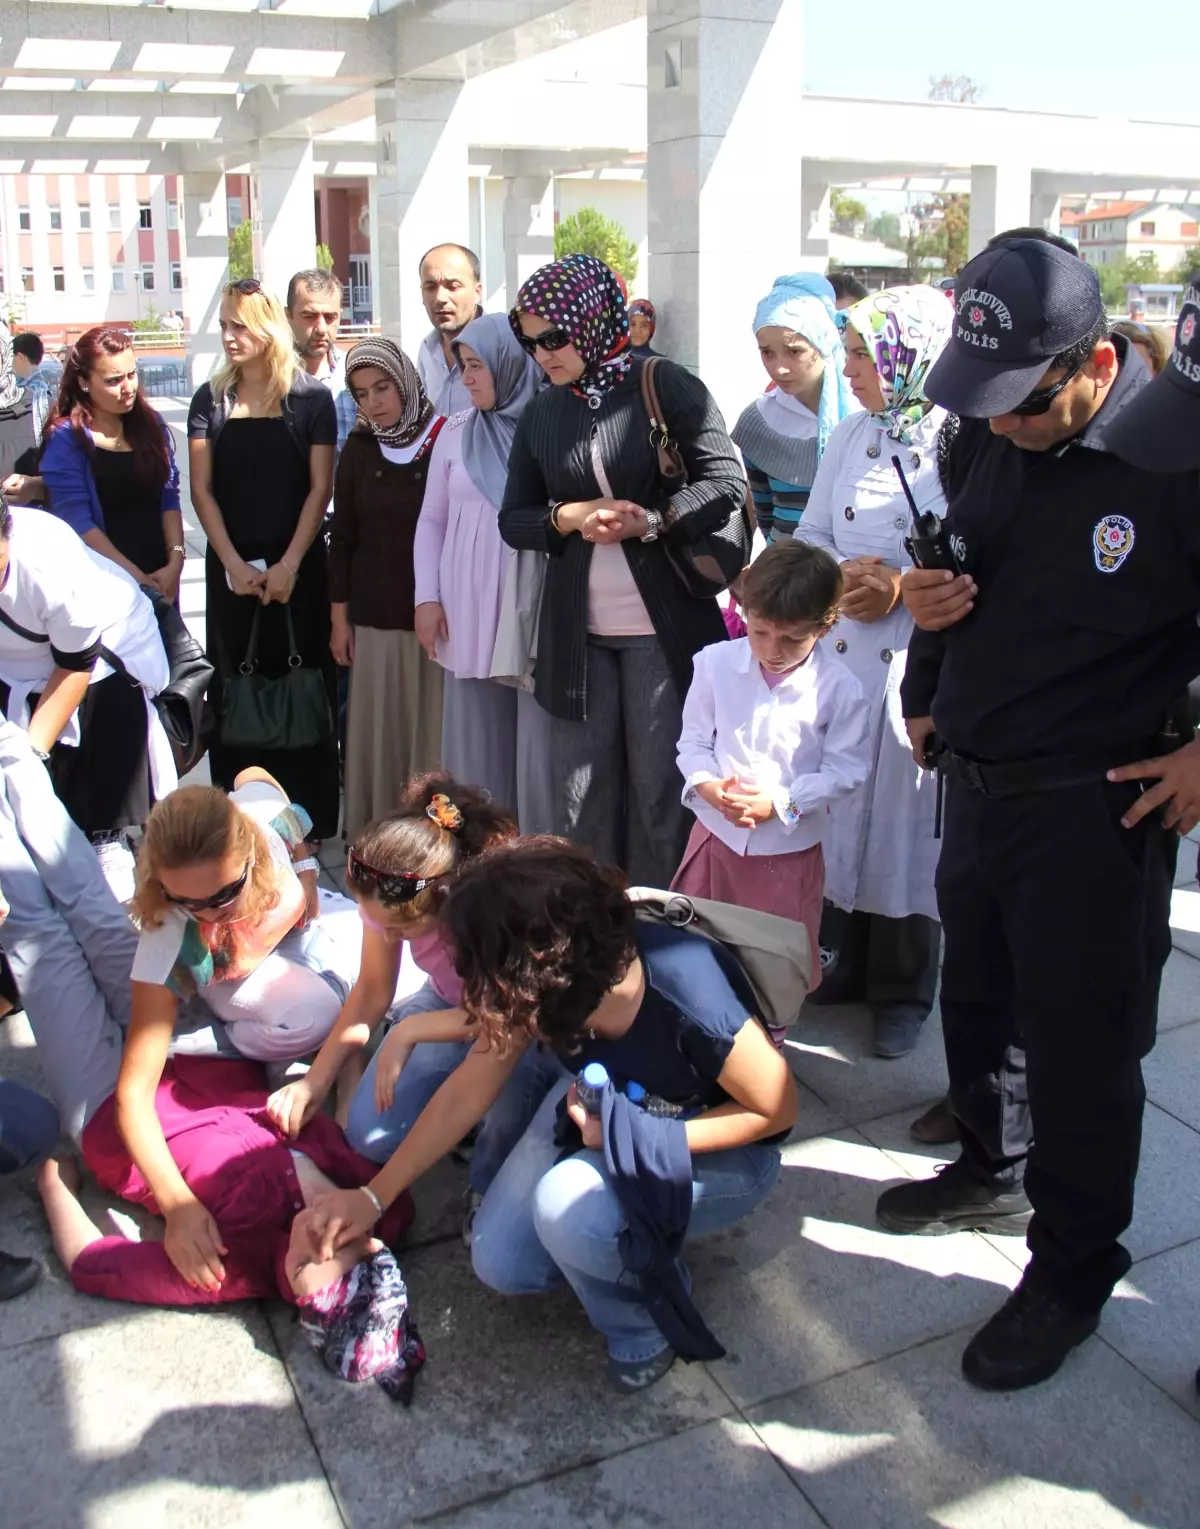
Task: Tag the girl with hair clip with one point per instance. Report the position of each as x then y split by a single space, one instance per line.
398 870
109 466
261 437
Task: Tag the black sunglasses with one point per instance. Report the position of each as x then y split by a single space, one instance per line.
390 886
550 339
247 286
1039 402
221 899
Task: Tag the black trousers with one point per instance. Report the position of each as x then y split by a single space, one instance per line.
891 963
1057 929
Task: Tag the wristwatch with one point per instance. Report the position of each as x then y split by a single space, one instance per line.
653 526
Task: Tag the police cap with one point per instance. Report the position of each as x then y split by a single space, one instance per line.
1159 429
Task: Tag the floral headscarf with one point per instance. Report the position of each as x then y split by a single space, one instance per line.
804 303
645 307
906 329
360 1326
582 295
416 410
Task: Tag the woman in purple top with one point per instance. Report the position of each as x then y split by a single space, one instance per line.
494 734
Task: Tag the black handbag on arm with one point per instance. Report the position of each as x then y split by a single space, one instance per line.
707 566
291 712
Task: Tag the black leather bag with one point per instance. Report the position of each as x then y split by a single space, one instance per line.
291 712
707 566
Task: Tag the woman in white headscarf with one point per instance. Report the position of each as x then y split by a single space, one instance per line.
494 734
782 435
880 938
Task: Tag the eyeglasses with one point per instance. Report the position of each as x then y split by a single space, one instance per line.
248 286
221 899
1039 402
550 339
391 886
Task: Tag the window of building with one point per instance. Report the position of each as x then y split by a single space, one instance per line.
114 214
144 218
118 278
55 219
1189 230
89 279
1147 230
27 277
233 211
85 218
147 278
176 276
172 214
60 280
23 222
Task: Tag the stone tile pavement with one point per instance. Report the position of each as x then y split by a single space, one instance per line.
840 1403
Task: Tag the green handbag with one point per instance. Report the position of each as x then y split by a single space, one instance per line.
291 712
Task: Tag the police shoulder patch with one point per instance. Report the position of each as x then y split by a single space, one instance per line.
1112 542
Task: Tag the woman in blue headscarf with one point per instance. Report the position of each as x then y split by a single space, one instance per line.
782 435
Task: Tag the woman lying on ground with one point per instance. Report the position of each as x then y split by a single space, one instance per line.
557 970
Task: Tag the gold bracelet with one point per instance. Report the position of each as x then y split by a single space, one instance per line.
554 509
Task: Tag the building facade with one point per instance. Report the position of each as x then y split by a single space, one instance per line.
1117 231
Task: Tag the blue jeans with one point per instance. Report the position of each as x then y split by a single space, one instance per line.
377 1134
28 1126
543 1221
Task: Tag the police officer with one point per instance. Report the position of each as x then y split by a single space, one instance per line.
1053 660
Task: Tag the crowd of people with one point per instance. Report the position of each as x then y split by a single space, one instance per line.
524 625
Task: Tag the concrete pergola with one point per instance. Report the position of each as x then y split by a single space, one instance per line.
407 92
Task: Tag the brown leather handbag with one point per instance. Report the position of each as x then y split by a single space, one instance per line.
709 564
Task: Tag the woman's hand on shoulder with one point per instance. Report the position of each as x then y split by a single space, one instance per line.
294 1105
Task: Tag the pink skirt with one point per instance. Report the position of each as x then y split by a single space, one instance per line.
792 885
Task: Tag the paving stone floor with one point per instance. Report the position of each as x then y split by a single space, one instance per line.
840 1403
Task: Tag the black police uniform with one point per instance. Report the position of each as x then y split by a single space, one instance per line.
1056 918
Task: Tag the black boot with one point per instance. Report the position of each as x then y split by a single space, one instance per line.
956 1199
1028 1338
17 1275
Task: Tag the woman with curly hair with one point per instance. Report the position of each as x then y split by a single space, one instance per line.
552 955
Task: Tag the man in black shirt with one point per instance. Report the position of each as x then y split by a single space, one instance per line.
1054 659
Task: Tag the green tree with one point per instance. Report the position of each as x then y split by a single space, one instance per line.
945 240
886 228
324 260
149 323
241 252
1189 263
846 213
589 232
1118 274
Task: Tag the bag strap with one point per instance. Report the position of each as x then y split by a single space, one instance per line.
294 659
21 631
250 662
659 432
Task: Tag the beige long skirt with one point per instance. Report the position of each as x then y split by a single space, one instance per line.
394 724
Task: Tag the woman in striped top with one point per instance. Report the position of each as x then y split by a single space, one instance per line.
782 434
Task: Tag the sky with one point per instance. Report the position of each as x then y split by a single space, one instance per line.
1098 57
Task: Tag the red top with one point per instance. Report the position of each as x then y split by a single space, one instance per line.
238 1165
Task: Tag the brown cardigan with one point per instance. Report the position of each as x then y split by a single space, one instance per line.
375 509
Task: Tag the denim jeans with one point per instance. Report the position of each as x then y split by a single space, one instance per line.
377 1134
28 1126
543 1221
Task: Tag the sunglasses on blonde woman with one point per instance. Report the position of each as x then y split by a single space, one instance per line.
248 286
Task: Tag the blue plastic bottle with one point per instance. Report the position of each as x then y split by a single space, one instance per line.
590 1086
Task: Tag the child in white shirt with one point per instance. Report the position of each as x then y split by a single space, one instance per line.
772 733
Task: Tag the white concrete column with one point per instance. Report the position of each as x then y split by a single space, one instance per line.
814 230
1000 197
528 229
716 73
1045 209
204 254
285 218
422 197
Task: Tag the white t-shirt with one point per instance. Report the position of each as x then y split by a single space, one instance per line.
175 948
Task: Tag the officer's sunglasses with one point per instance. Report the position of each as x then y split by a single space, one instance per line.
222 899
549 339
1039 402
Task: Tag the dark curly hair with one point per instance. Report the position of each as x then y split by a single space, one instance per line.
409 841
541 933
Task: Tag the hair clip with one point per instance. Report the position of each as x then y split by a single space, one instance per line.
444 813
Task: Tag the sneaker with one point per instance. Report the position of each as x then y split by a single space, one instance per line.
472 1200
17 1275
636 1374
896 1032
1027 1340
118 866
936 1126
956 1199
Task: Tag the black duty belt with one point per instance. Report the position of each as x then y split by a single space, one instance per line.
1055 773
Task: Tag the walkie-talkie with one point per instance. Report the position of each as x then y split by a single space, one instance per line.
927 545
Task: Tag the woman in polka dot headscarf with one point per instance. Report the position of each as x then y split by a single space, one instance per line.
617 628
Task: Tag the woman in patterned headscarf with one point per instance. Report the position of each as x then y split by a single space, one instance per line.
618 630
880 936
394 727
